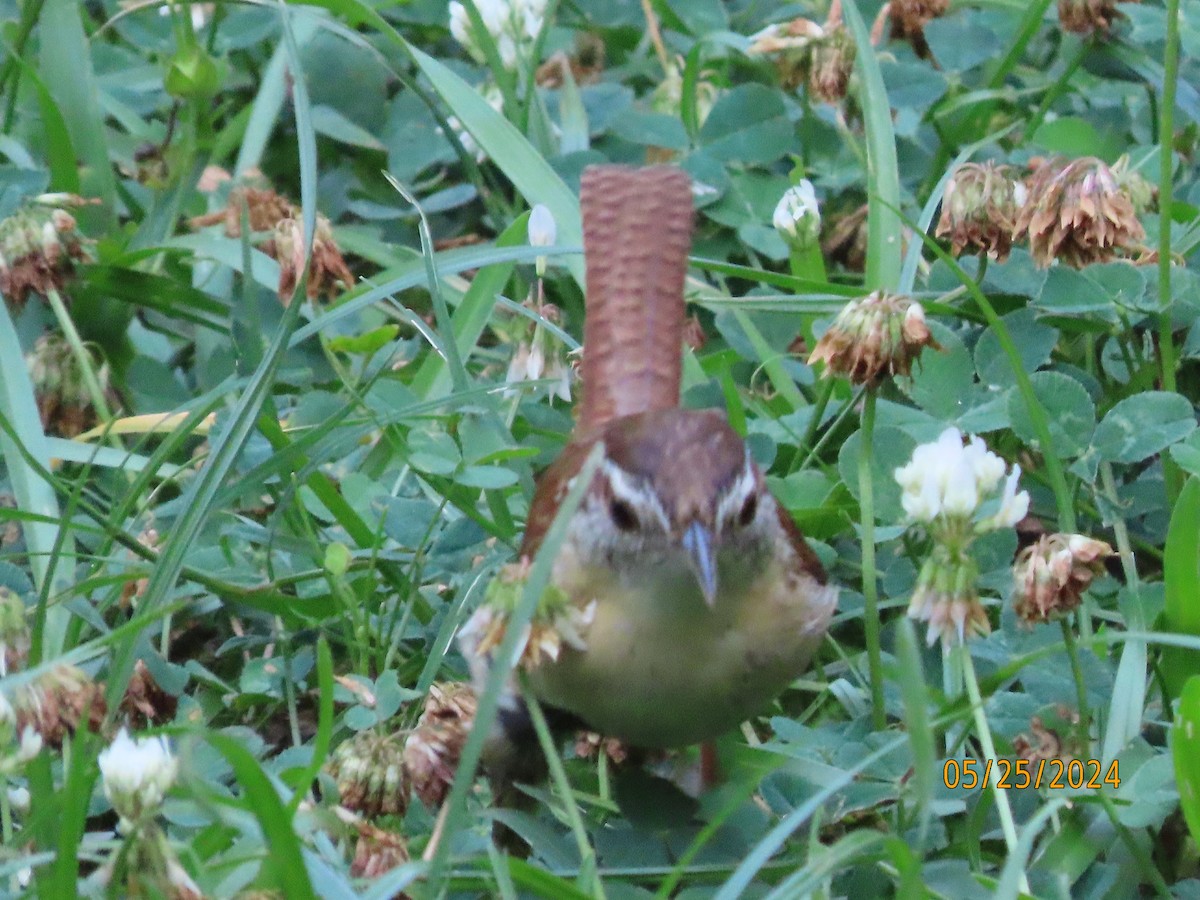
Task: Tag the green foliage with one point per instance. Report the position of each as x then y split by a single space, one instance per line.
262 528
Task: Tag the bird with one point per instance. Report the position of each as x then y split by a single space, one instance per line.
696 600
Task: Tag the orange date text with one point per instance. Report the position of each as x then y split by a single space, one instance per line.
1051 774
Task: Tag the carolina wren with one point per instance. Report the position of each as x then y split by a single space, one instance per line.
702 598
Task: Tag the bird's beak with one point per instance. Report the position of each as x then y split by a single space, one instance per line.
698 542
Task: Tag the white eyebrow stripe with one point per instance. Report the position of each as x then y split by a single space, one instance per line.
635 494
743 486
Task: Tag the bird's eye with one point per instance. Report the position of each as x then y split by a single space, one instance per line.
748 511
623 515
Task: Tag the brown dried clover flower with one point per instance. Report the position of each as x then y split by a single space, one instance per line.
693 333
979 209
39 244
909 17
831 65
1050 576
63 399
370 775
433 749
880 334
557 621
846 239
377 851
1076 211
264 208
590 744
268 211
789 44
585 63
145 702
1054 735
56 704
328 269
1087 16
821 56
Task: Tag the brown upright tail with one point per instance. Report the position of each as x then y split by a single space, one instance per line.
637 231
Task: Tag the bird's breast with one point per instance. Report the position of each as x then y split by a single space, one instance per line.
663 669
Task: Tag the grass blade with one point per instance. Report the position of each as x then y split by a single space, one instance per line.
34 493
284 857
883 178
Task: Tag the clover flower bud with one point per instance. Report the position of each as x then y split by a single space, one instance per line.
798 217
542 233
541 228
370 774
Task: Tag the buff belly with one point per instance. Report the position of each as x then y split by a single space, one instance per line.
663 669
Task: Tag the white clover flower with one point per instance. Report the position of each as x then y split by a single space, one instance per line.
512 25
798 217
137 774
944 487
946 477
